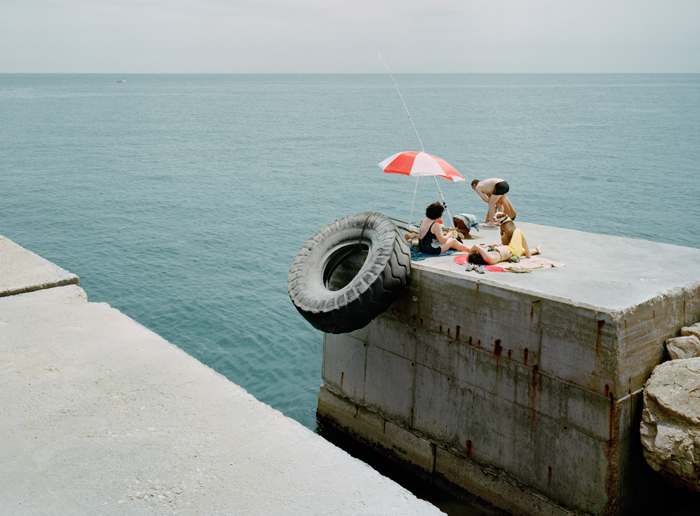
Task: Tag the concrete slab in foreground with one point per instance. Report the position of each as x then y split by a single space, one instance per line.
24 271
99 415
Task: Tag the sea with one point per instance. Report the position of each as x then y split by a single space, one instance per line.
181 200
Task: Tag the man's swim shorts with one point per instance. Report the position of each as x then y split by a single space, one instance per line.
501 188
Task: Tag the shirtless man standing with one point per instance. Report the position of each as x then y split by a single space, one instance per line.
494 192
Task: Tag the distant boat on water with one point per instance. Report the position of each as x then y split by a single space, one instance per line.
121 80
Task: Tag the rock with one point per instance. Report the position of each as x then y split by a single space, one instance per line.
683 347
670 429
693 330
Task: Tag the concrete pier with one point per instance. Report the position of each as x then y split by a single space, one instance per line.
524 389
99 415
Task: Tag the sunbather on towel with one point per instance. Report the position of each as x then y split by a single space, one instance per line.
430 228
514 244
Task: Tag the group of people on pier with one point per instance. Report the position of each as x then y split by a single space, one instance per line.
494 192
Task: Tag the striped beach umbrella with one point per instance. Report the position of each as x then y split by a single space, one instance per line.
416 164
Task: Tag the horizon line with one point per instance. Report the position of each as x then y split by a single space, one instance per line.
348 73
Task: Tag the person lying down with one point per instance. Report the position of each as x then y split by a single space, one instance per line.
514 244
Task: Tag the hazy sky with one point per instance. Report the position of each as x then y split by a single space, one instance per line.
241 36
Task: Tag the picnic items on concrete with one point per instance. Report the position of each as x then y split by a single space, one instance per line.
465 222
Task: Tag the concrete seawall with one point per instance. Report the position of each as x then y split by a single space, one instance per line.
99 415
524 389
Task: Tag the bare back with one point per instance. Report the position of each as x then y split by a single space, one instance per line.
427 225
487 185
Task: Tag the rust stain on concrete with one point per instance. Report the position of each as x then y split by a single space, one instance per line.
612 457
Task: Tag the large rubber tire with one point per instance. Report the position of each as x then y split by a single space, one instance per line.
331 285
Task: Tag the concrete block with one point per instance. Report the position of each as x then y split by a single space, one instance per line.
409 448
373 430
494 486
508 377
491 432
578 346
391 335
389 384
23 271
558 461
439 407
461 416
589 412
534 376
488 371
478 312
341 410
344 367
436 352
344 413
644 328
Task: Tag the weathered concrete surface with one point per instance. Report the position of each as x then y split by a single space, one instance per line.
535 378
637 306
24 271
671 422
602 271
99 415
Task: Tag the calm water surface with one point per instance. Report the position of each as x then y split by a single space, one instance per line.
181 200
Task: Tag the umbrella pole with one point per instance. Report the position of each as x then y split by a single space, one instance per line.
421 148
444 203
414 202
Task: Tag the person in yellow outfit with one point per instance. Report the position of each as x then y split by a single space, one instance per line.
514 244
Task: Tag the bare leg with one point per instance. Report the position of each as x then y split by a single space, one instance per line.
453 243
529 252
493 200
507 206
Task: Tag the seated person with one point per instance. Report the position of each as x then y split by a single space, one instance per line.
430 228
514 244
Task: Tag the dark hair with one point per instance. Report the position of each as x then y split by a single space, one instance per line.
434 211
476 258
475 182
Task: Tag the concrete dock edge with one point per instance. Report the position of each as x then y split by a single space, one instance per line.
99 415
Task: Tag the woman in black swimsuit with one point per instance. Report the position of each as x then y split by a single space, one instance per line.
431 229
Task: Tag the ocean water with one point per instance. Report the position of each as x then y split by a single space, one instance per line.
181 200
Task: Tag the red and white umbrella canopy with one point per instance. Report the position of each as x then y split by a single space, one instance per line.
419 164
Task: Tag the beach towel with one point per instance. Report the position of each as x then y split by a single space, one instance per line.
417 256
524 265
